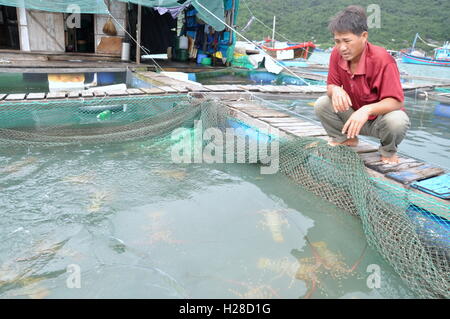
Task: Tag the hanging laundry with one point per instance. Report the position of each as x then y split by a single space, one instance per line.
174 11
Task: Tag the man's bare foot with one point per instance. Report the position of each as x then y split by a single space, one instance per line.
350 142
390 160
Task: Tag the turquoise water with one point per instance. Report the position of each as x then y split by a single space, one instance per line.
137 226
38 82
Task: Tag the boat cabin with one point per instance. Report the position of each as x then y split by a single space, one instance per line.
443 53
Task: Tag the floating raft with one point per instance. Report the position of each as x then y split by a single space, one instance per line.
163 84
404 174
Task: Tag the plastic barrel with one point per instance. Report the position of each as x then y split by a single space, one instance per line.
106 78
183 55
432 229
125 56
200 57
442 110
253 134
206 61
184 43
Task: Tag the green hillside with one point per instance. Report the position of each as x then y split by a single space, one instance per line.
307 20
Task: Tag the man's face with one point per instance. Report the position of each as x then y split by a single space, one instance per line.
350 45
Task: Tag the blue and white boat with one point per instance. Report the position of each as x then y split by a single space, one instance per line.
441 56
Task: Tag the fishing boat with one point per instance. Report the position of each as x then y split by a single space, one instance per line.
289 51
441 55
286 50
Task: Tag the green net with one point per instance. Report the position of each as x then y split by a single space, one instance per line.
242 62
409 229
93 121
412 238
68 6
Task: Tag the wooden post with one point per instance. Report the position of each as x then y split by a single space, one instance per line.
233 9
273 32
138 35
23 28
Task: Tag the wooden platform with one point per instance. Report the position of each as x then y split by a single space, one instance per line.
402 174
66 62
167 85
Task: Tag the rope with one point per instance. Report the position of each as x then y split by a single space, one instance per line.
249 23
265 54
429 44
256 18
251 42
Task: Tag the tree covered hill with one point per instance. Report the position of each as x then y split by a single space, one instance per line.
307 20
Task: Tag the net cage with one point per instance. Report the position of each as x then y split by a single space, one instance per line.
409 230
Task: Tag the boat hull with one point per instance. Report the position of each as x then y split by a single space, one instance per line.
407 58
299 51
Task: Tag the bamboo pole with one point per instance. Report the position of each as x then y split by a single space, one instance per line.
138 35
273 32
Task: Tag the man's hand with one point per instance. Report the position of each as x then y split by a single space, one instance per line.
340 99
356 121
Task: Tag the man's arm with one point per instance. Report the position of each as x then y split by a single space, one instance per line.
384 106
340 100
356 121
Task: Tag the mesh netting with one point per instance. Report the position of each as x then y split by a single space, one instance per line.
408 229
94 121
413 239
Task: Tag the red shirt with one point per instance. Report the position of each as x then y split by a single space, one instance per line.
376 78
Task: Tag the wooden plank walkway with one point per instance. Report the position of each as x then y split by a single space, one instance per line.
166 85
402 174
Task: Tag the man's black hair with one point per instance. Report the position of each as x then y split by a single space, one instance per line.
352 19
